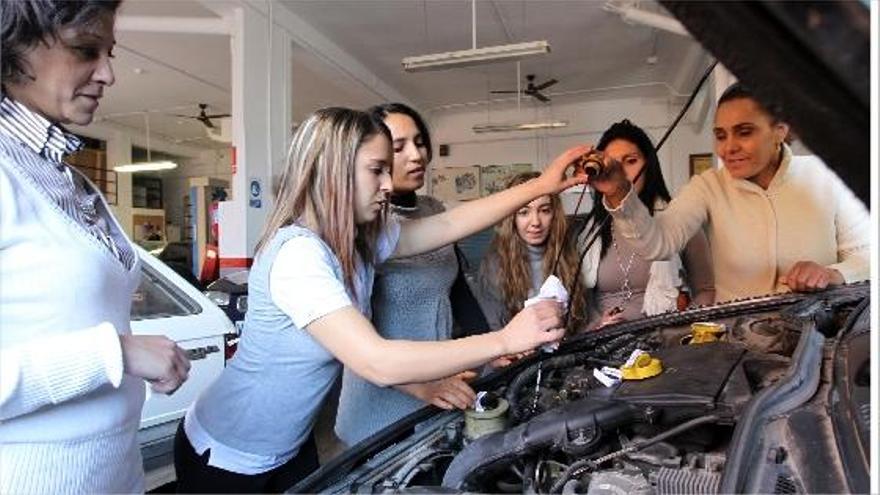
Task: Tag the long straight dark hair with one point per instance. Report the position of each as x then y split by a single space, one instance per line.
655 186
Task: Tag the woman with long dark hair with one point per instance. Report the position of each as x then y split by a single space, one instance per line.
624 285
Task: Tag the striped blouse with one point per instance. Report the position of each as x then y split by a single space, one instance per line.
72 192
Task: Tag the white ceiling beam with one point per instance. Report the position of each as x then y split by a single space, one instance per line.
692 65
309 38
631 14
182 25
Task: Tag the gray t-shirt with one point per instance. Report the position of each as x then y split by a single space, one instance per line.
262 407
621 263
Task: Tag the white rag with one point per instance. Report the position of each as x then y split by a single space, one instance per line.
551 289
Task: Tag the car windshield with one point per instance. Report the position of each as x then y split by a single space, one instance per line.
157 297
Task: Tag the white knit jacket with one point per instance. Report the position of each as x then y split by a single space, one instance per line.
68 414
757 235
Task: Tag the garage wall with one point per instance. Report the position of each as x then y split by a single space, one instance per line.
193 162
175 184
587 120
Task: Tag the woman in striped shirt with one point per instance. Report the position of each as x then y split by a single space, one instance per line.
71 373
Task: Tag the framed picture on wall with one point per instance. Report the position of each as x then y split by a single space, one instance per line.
700 162
494 178
456 183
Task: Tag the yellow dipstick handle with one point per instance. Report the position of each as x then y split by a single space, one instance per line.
644 367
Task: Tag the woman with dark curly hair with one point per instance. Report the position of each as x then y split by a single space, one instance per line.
624 285
71 373
521 257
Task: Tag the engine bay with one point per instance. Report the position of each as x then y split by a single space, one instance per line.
554 427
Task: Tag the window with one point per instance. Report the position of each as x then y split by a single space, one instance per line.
157 297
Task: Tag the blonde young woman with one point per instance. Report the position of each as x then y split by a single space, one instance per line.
522 255
309 307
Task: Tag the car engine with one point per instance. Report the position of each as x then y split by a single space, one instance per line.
560 429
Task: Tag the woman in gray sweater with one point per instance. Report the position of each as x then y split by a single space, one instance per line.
411 296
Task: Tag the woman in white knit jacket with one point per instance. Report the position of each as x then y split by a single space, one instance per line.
70 372
775 222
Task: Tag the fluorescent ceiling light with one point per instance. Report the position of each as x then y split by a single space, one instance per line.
145 167
529 126
475 56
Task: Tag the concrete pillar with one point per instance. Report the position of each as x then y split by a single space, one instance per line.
262 34
721 80
261 113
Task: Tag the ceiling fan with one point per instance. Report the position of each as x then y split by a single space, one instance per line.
531 89
203 116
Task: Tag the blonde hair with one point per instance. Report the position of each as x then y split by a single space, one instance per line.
317 187
514 279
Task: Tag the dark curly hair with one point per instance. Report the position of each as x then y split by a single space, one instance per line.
655 186
28 22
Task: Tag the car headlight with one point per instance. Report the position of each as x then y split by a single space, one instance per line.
241 304
219 298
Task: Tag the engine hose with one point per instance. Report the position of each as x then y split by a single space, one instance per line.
576 427
527 378
576 468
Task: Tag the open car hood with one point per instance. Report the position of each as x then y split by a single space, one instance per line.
810 59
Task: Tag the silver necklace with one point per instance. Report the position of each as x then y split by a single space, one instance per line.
625 287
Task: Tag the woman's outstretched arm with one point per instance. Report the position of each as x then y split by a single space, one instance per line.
429 233
352 339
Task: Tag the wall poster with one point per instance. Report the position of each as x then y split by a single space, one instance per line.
494 178
456 183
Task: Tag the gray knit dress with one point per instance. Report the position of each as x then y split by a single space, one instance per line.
410 301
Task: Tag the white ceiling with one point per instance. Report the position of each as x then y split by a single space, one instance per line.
591 49
163 74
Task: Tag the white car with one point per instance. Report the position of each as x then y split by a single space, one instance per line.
165 304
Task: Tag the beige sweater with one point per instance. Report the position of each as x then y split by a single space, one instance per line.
806 214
